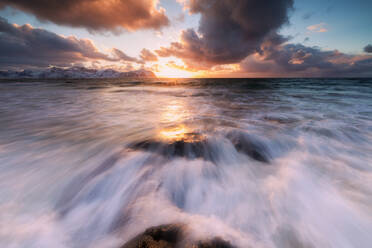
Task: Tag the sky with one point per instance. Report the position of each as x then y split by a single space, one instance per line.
191 38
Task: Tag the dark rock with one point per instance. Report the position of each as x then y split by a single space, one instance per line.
165 236
179 148
214 243
250 146
195 148
171 236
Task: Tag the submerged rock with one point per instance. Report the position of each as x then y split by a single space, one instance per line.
171 236
250 146
178 148
203 148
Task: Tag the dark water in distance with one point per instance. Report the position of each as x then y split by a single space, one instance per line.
257 162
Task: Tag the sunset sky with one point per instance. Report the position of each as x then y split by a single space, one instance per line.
191 38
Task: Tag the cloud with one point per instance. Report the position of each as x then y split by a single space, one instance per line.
147 55
96 15
180 17
299 60
368 48
229 30
120 55
25 46
318 28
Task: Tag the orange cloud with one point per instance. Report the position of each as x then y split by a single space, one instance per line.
96 14
318 28
147 55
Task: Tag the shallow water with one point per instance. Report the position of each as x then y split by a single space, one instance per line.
257 162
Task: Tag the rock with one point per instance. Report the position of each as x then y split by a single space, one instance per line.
250 146
197 147
178 148
171 236
165 236
214 243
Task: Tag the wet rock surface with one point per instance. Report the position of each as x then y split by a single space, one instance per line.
171 236
178 148
165 236
248 145
203 148
214 243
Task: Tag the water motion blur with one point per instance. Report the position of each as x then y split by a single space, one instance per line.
254 162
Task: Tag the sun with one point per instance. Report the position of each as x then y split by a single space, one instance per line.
166 71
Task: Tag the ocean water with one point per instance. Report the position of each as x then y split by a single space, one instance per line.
257 162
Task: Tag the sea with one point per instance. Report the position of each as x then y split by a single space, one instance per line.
284 163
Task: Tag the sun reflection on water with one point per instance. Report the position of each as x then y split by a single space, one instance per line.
180 133
175 111
175 115
176 133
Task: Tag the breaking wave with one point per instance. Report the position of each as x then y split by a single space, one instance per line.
270 163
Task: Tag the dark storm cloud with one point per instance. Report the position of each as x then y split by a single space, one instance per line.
368 48
96 14
25 46
147 55
229 30
300 60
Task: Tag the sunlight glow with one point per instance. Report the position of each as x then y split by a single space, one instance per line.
174 115
177 133
166 71
180 133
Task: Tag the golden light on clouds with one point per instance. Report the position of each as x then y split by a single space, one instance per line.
174 70
171 72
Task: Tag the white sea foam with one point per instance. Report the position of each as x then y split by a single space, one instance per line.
297 173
